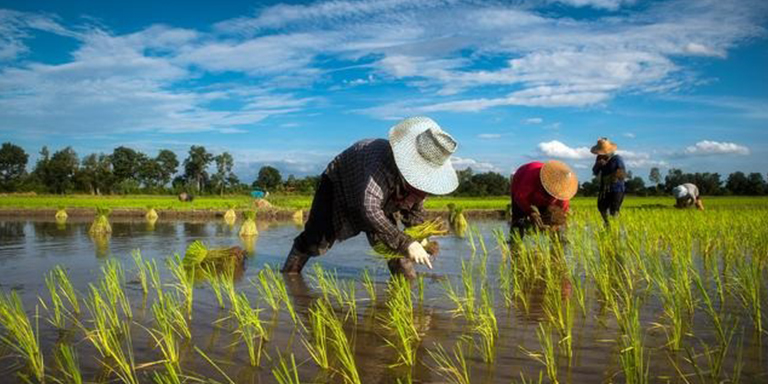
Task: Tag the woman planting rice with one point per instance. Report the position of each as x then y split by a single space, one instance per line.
609 168
687 195
541 194
371 184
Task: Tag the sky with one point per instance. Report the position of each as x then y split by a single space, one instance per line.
676 84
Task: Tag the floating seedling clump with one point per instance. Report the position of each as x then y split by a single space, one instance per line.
249 225
198 253
151 214
101 224
230 216
61 214
457 220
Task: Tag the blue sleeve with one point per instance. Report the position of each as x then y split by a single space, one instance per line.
620 163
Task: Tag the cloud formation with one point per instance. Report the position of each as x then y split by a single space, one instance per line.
560 150
709 147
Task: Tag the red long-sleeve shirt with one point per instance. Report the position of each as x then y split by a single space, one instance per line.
526 189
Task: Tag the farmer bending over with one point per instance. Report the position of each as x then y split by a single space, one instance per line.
687 195
540 197
609 169
365 187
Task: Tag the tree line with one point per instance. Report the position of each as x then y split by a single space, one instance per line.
127 171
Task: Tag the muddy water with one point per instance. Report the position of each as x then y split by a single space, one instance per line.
29 248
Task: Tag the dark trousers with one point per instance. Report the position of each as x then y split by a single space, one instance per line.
609 204
318 235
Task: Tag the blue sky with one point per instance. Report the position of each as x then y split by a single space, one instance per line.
675 83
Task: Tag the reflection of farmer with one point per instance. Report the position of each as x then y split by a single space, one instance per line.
365 186
609 168
540 196
687 195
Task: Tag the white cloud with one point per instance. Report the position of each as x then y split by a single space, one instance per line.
629 135
489 136
641 160
461 163
600 4
534 120
559 150
708 147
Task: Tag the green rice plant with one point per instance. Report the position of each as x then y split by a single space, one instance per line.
250 328
747 287
468 283
421 232
249 225
101 222
151 214
214 282
115 346
369 285
632 357
547 355
340 345
318 345
19 336
264 285
213 364
112 286
171 375
420 288
185 281
285 374
486 326
60 288
141 271
453 368
61 213
69 364
399 322
170 324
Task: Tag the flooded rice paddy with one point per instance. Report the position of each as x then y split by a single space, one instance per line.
581 322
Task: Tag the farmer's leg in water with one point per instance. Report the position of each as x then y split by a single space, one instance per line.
318 235
519 224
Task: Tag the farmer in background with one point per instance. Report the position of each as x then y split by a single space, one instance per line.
687 195
373 182
609 169
540 197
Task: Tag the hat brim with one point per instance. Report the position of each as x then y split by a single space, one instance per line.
559 189
597 150
418 172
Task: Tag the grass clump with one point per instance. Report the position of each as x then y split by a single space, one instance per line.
101 222
249 225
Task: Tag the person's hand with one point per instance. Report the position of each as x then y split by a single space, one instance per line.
417 253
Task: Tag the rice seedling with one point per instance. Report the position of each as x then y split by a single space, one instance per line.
747 287
453 368
272 289
419 233
547 355
141 271
486 327
19 336
60 288
317 346
230 215
112 286
457 220
213 364
101 222
69 364
369 285
340 345
249 225
285 374
151 214
170 324
399 322
215 282
61 214
185 281
115 346
632 354
171 375
250 328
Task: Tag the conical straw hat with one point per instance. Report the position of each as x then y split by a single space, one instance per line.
603 147
559 180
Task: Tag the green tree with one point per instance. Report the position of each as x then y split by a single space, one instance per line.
125 163
737 183
150 173
196 165
61 169
224 177
755 184
655 176
95 174
168 165
13 164
269 178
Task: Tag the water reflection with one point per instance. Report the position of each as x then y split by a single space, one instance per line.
100 244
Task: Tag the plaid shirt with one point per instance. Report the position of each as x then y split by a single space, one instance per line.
369 195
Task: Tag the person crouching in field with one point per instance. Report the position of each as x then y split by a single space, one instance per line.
541 194
687 195
365 187
610 170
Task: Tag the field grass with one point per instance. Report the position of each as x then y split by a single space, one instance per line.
294 202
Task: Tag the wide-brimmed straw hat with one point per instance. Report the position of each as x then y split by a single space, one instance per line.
423 155
559 180
603 147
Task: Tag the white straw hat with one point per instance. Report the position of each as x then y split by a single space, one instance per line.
680 191
423 155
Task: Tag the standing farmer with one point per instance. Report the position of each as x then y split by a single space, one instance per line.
609 168
687 195
540 197
367 185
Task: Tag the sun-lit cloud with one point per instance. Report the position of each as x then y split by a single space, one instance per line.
560 150
709 147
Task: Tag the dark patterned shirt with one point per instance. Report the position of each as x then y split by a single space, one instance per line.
369 195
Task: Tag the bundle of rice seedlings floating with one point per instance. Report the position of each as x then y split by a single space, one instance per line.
249 225
151 214
421 232
457 220
101 222
61 214
198 254
19 336
230 215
